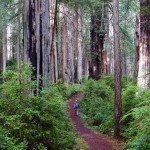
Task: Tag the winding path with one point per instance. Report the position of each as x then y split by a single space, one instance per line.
95 141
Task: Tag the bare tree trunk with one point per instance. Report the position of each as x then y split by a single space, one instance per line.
117 56
144 50
59 45
86 49
1 53
26 30
70 47
38 44
76 45
37 38
32 38
64 47
4 47
105 67
80 46
107 38
45 35
97 41
137 47
53 54
18 38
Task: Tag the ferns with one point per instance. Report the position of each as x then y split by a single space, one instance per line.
138 128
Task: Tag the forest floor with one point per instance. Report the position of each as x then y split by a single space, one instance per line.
94 140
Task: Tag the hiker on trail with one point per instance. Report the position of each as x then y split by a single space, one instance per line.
76 107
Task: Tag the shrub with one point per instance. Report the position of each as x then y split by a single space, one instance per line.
138 131
73 88
11 64
129 98
32 122
97 106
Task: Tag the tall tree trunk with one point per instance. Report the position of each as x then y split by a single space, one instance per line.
137 47
4 47
39 44
45 35
32 37
64 47
18 37
80 46
97 41
53 54
1 53
26 30
144 51
70 47
117 56
76 45
59 45
37 38
105 67
107 38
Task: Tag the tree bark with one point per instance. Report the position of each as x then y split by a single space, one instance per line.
76 46
137 47
97 43
45 35
53 54
70 47
117 56
1 54
144 50
64 47
18 37
80 46
37 38
4 47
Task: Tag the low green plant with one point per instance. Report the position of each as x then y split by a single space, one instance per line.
73 89
11 64
138 131
129 98
97 105
28 121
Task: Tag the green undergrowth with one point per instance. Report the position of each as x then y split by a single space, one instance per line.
97 109
97 105
137 122
73 89
33 122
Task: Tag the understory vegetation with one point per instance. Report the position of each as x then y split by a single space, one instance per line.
97 109
33 122
29 121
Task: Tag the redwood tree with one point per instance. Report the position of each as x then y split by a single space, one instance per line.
37 37
1 54
97 41
117 56
144 45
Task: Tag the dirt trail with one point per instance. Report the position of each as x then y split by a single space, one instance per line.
95 142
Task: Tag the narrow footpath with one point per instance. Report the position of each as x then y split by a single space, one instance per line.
95 141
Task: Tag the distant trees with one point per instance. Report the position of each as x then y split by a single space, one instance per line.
8 30
71 39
